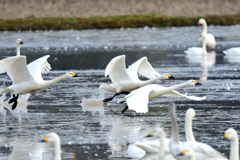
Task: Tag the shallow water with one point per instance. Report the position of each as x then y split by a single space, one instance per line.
94 130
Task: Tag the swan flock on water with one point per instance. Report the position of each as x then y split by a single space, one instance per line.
136 93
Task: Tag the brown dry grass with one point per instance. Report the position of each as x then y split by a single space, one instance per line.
11 9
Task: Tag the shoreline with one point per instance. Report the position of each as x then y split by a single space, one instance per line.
112 22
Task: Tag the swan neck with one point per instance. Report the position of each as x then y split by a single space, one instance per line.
152 80
174 128
188 128
161 153
204 28
57 151
55 80
234 149
176 87
18 50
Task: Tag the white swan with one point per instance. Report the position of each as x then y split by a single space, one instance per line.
152 146
23 81
210 39
232 51
232 136
202 151
138 99
198 50
125 80
189 153
54 138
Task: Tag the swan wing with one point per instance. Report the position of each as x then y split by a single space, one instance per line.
144 68
39 66
194 50
177 94
16 69
139 98
116 69
233 51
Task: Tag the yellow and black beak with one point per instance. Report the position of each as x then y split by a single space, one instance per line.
182 153
226 135
170 77
74 75
149 135
197 83
20 41
45 139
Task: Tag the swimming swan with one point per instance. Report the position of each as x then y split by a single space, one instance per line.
202 151
232 136
232 51
54 138
125 80
189 153
210 39
198 50
138 99
23 81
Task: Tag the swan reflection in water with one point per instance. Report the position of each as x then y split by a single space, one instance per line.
19 112
205 60
93 105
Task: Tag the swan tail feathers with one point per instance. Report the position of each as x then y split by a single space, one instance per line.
107 88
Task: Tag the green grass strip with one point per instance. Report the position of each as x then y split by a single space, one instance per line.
130 21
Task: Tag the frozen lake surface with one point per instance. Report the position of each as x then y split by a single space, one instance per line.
101 131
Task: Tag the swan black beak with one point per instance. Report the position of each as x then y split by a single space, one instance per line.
21 42
148 135
75 75
198 83
171 77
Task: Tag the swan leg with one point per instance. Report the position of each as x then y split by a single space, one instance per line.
116 94
14 99
126 108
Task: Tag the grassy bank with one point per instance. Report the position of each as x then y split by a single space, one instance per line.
135 21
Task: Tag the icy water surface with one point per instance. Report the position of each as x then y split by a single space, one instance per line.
95 130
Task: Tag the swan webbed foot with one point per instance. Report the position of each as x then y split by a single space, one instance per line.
14 99
126 108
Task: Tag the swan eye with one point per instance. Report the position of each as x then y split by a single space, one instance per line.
46 139
226 135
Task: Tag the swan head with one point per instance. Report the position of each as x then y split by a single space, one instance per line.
230 134
158 132
19 41
189 153
201 21
52 137
193 83
71 75
167 76
191 112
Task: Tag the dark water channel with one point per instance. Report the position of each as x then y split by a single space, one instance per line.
103 132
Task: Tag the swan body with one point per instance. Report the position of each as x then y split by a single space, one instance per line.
232 51
232 136
23 82
202 151
210 39
54 138
127 79
198 50
138 99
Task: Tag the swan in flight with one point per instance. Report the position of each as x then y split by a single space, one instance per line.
23 81
198 50
189 153
210 39
201 150
54 138
138 99
125 80
232 136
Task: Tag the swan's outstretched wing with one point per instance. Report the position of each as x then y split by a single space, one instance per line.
144 68
177 94
16 69
116 69
138 99
39 66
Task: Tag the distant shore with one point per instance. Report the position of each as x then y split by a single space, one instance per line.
131 21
